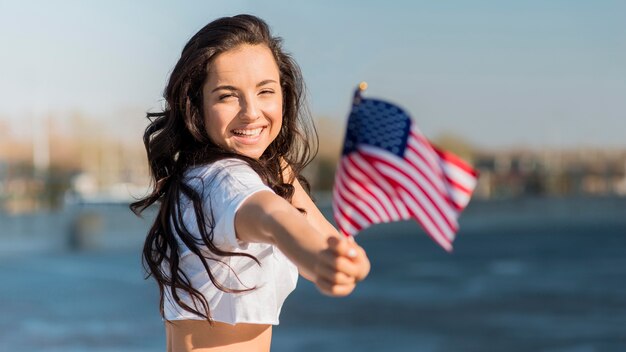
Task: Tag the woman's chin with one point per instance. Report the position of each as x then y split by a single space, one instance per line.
254 153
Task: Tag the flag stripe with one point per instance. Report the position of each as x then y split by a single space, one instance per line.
429 174
423 220
436 183
348 209
375 183
357 182
411 179
383 188
435 168
453 178
459 178
363 207
345 223
452 159
421 200
357 219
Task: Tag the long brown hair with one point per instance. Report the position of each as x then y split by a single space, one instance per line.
176 140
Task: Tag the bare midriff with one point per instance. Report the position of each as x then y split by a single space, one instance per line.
200 336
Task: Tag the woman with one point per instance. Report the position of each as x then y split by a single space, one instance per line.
235 225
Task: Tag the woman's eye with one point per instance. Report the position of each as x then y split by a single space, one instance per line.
267 91
225 96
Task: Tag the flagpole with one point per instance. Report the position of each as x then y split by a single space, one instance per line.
357 92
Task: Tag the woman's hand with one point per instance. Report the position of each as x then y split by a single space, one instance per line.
340 267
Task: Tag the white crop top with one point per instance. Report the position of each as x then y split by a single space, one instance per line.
224 185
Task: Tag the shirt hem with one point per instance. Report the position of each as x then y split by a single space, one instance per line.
273 322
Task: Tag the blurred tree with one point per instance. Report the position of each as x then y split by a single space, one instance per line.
57 182
456 144
325 174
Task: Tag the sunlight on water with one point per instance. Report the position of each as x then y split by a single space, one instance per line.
550 285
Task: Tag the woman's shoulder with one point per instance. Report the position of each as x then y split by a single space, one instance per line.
223 166
225 173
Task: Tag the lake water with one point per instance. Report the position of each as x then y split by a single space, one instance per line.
526 275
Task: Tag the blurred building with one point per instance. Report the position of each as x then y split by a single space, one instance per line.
551 172
47 161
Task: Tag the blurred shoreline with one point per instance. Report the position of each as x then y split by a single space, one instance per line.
112 226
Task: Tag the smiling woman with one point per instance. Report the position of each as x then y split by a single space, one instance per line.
243 103
235 225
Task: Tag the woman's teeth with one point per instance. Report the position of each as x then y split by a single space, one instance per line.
248 133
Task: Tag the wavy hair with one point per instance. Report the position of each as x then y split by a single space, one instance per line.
176 140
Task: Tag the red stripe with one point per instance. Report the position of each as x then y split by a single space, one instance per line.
374 159
440 187
420 203
348 179
369 174
343 231
436 165
432 159
367 185
341 194
340 220
349 219
454 184
455 160
434 234
372 174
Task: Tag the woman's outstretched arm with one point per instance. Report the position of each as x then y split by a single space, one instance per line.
334 264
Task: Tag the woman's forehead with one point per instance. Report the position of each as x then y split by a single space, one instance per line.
242 64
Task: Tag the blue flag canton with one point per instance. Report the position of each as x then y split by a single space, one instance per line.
379 124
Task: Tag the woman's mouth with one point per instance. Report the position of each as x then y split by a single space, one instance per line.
252 132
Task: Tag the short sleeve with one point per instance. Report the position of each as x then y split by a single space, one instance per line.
225 186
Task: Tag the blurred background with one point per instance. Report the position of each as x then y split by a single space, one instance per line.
532 93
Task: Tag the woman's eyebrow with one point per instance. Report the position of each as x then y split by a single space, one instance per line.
232 88
223 88
264 82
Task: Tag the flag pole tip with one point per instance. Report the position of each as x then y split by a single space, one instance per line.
357 93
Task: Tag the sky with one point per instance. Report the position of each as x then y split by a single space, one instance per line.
497 74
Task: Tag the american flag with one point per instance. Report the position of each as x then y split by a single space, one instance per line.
389 172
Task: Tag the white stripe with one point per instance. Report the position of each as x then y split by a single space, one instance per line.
372 173
358 202
387 192
351 212
443 187
427 151
448 169
432 231
459 175
381 196
359 192
343 223
357 189
460 198
404 213
423 201
432 175
399 163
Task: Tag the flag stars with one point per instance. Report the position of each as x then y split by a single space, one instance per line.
377 124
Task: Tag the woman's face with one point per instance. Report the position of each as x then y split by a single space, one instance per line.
243 100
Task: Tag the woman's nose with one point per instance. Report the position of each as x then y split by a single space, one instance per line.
250 110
